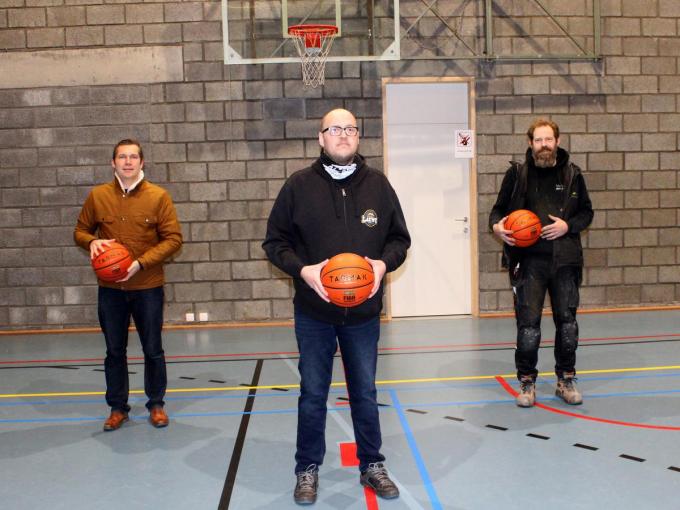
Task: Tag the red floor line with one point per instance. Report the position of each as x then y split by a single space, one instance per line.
348 458
348 454
371 499
381 349
513 392
14 362
351 459
177 356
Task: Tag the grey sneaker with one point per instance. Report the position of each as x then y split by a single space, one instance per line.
376 478
527 392
567 390
307 485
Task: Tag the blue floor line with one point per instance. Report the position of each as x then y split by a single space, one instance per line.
383 389
133 400
171 415
420 405
627 394
54 420
586 396
427 482
620 377
295 394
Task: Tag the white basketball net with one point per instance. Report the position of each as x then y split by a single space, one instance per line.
313 44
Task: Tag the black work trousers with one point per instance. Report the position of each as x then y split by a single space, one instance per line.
536 276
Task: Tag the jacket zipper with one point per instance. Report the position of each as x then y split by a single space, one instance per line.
344 216
344 205
572 174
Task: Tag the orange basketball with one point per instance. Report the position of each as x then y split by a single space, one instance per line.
348 279
112 264
525 226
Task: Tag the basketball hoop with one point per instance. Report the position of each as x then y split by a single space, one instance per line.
313 42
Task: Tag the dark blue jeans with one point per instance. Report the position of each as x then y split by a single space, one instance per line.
538 277
317 342
146 308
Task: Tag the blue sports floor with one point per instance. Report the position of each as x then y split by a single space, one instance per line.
452 435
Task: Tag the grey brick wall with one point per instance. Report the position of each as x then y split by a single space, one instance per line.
224 139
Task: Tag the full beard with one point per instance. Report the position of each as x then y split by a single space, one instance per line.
545 158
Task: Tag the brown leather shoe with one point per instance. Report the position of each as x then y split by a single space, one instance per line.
158 418
115 420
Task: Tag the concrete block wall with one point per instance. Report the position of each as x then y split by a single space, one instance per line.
619 120
223 139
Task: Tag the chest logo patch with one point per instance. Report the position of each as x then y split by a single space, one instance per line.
369 218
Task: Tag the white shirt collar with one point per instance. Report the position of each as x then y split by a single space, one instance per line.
134 184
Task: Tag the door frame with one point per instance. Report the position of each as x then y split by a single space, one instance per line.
474 235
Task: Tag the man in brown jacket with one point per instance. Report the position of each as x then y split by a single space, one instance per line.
140 215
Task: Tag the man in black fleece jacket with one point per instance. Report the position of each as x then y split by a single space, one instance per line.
553 187
337 205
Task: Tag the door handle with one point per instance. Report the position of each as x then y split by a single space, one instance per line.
464 219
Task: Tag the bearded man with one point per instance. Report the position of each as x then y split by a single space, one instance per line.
553 187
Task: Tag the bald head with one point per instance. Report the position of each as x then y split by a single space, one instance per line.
333 118
336 143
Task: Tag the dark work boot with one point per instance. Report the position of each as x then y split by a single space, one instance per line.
307 485
376 478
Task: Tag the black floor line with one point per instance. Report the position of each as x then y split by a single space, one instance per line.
346 399
630 457
240 440
545 438
496 427
586 447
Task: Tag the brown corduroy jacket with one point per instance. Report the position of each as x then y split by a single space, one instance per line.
144 220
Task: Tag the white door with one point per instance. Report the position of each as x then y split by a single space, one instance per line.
433 186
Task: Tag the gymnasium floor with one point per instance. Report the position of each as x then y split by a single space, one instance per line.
452 434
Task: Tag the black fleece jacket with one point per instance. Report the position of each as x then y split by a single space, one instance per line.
315 218
576 209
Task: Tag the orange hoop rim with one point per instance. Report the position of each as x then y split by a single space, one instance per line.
323 30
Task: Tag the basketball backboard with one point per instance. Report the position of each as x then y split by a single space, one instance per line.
256 31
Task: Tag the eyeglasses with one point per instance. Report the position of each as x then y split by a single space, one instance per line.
337 130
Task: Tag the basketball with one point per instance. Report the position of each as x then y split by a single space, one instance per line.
348 279
525 226
112 264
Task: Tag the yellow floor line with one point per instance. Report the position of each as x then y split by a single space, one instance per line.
337 384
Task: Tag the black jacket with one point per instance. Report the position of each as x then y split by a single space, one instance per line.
315 218
576 209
